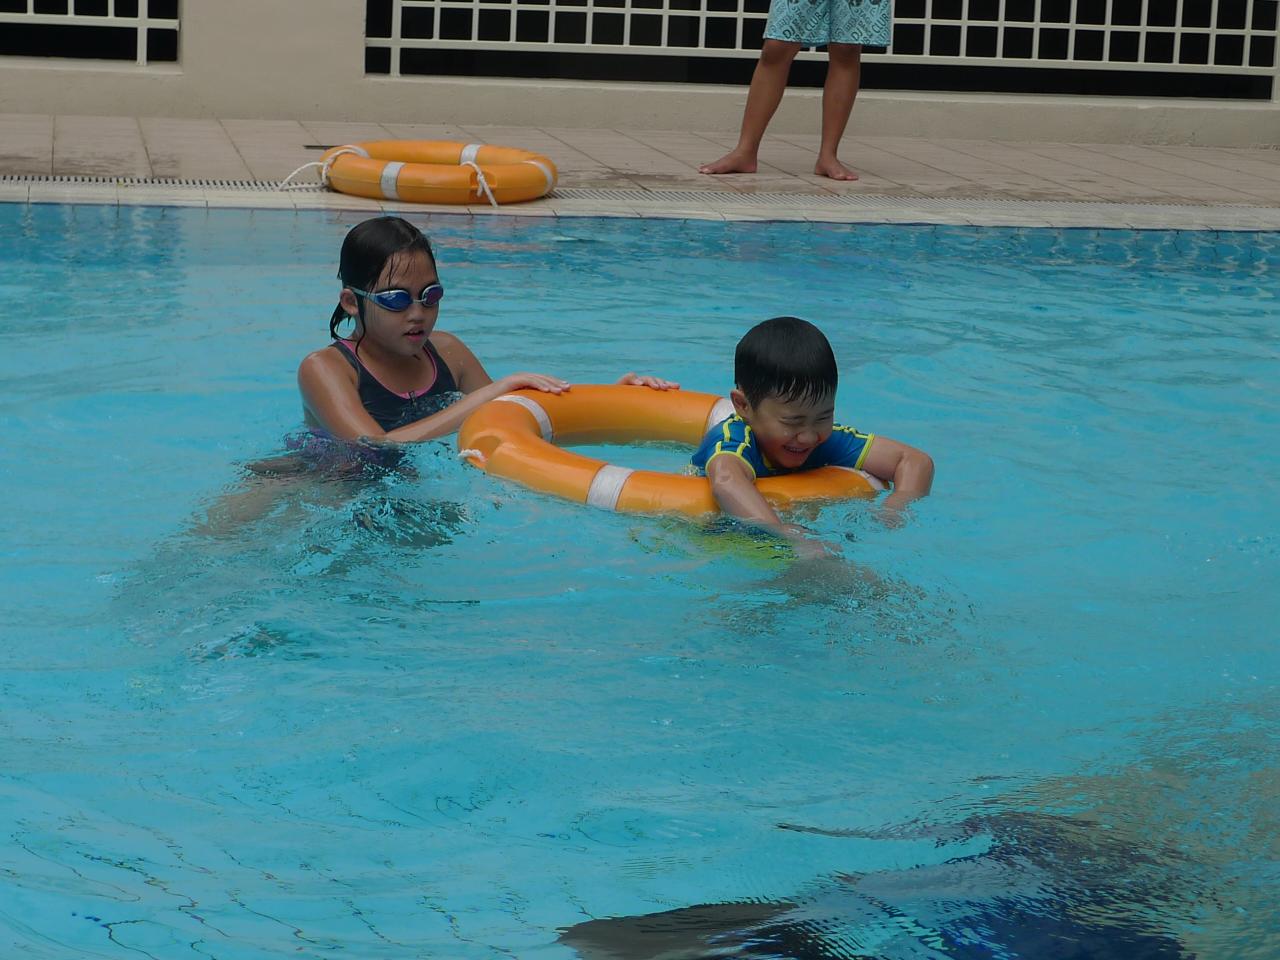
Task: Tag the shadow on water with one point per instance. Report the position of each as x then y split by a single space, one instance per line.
867 928
1171 857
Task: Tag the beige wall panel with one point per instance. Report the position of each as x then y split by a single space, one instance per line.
304 60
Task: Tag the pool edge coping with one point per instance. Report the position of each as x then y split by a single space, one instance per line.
800 207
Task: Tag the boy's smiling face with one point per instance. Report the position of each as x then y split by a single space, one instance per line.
788 430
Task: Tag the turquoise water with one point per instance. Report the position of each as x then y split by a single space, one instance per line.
430 714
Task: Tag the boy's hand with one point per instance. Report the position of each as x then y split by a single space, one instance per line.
807 547
653 383
892 515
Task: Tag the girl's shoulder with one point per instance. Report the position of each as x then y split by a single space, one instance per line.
442 339
468 373
450 347
326 361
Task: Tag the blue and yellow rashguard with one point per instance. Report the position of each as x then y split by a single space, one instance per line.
846 447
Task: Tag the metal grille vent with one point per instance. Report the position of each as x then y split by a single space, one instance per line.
259 186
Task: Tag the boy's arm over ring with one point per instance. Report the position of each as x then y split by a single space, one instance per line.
733 483
910 470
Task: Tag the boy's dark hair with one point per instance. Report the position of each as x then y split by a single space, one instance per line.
366 250
785 357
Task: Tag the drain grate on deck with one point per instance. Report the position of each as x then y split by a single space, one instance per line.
720 198
258 186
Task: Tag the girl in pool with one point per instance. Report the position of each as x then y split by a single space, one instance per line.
396 377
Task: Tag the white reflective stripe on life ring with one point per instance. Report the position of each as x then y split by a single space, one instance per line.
469 153
539 414
546 173
389 174
606 486
876 482
722 409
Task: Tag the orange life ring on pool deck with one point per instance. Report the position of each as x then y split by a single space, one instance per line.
438 171
512 437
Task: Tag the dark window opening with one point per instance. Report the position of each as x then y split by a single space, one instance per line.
1105 35
110 40
77 42
811 73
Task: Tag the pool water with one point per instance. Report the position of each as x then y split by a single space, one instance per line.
426 713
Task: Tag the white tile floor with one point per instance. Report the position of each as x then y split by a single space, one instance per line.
1021 183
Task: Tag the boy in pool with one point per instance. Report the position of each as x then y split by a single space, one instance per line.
784 404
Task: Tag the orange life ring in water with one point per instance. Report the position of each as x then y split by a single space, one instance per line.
512 437
438 171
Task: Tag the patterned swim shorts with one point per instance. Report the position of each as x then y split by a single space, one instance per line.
814 23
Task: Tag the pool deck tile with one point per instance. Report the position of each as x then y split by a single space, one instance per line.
628 172
26 148
160 196
592 210
332 134
196 149
749 216
1149 176
73 193
15 193
99 147
520 210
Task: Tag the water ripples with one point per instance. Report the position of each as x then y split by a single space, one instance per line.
408 709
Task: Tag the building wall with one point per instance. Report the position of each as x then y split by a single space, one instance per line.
304 59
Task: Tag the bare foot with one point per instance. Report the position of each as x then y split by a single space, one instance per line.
834 169
732 162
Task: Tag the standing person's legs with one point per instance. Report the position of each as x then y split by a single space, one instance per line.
838 93
854 24
768 83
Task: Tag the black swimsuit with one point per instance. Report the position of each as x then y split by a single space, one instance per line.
391 409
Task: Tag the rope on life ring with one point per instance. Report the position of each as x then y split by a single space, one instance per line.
434 171
519 436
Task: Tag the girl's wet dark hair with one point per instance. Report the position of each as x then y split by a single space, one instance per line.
787 358
365 253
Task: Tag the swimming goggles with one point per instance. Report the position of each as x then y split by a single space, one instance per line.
399 300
